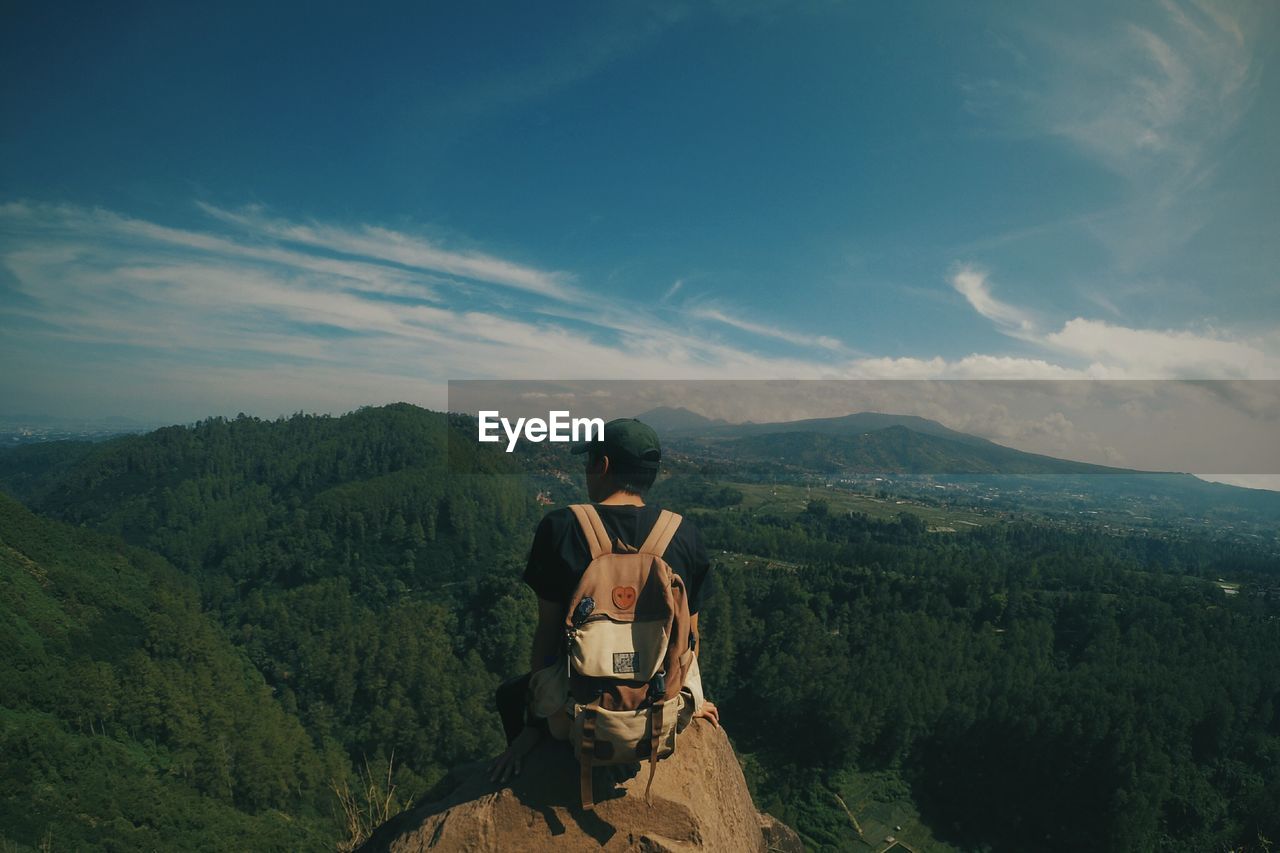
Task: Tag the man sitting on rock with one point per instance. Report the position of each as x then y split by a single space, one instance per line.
620 468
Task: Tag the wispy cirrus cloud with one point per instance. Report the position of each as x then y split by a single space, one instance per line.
973 284
46 232
144 307
1147 96
387 246
1102 349
766 331
258 313
1152 95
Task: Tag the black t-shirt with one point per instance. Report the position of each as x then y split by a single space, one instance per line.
560 554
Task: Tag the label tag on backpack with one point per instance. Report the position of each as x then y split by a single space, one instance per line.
624 663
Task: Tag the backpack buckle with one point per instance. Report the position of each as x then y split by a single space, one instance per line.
658 685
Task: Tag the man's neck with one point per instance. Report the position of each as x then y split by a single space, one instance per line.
621 498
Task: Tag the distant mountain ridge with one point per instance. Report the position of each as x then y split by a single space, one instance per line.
896 449
679 421
875 443
675 419
864 440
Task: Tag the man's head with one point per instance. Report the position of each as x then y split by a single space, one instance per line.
625 460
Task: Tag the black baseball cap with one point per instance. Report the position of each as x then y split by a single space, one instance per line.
627 443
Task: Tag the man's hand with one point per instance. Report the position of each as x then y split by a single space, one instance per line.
508 764
709 712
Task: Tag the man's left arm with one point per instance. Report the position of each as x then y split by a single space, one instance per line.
701 571
546 636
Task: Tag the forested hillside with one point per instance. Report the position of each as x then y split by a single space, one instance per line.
371 595
1037 688
128 720
215 624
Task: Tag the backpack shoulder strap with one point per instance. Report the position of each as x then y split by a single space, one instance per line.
593 528
660 536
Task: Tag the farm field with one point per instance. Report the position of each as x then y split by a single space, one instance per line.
790 500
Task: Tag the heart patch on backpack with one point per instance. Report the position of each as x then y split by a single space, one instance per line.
624 597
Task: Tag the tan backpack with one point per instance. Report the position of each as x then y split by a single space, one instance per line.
628 647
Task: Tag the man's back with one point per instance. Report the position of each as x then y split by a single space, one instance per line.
560 553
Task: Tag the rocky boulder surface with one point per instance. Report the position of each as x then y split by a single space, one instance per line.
700 802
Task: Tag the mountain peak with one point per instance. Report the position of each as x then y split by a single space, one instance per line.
667 418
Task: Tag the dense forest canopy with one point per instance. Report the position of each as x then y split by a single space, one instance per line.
212 625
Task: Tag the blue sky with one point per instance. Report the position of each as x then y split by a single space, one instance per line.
272 207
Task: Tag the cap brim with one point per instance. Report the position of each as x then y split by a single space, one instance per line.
581 446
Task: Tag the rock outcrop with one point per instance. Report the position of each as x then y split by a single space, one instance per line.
700 802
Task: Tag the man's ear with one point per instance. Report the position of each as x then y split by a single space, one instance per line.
599 468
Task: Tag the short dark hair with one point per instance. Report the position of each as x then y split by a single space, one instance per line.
626 478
